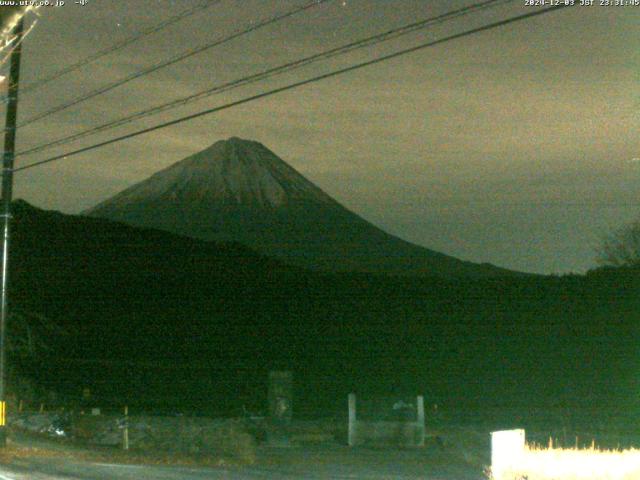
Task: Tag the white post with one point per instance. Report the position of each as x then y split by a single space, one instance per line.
125 432
420 420
507 450
352 419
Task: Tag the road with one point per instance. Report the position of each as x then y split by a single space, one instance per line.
311 463
102 471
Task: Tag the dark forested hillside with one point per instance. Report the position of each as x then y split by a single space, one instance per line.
159 319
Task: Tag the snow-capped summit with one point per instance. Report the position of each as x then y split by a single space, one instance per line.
229 172
239 190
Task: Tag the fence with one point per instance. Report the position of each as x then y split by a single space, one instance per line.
386 420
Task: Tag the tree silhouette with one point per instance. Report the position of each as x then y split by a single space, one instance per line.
622 247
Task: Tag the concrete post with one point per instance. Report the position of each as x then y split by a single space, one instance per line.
507 450
352 420
125 430
280 407
421 428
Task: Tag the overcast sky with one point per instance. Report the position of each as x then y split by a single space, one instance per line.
518 146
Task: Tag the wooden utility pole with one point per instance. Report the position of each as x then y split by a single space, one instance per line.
7 190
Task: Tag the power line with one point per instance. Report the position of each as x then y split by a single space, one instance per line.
266 74
301 83
120 45
175 59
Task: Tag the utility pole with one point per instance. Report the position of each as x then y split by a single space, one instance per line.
7 190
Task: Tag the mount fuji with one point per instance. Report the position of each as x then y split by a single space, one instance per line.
239 190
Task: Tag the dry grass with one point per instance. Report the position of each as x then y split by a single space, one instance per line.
575 464
230 441
226 443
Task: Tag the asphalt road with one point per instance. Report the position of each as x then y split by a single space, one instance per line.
282 464
103 471
96 471
455 459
